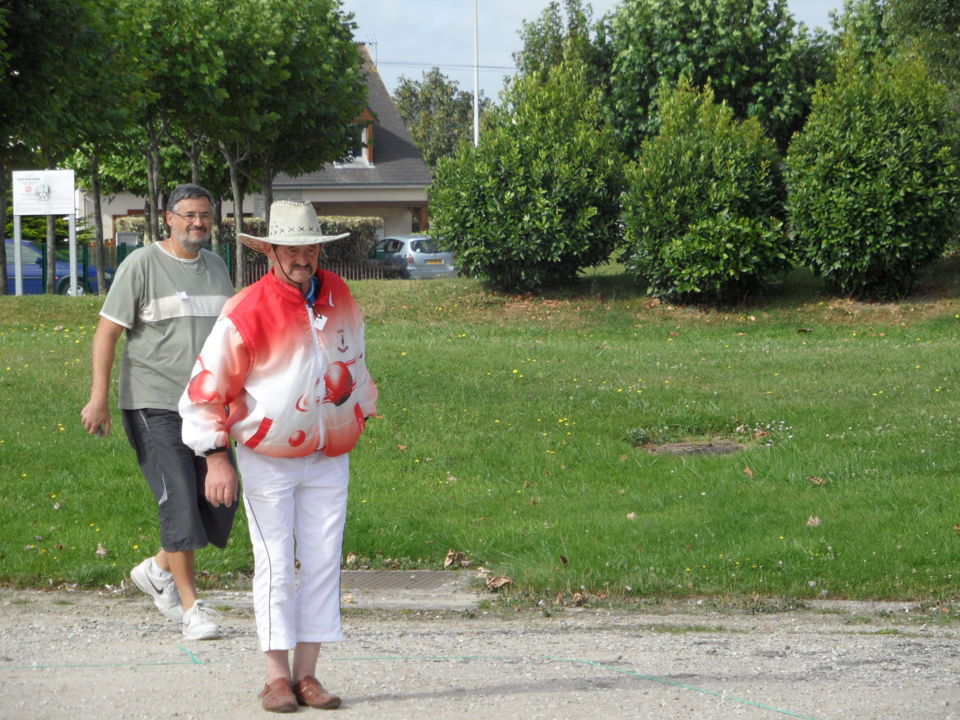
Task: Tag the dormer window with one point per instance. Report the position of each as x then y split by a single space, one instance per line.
363 157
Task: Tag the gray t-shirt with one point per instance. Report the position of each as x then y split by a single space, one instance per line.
168 307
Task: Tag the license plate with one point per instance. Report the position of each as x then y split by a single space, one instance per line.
434 262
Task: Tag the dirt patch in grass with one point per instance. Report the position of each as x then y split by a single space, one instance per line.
703 447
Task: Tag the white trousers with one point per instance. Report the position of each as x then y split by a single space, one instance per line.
296 510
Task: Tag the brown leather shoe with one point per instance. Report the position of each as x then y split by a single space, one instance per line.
310 692
277 696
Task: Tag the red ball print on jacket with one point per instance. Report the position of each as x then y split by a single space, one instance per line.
339 383
203 386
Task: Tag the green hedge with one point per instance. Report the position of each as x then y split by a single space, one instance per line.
703 201
538 200
364 232
874 180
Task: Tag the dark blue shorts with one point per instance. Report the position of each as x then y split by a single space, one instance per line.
176 477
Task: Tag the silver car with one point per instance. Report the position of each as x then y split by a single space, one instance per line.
416 256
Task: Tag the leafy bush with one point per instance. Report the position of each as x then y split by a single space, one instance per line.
702 202
539 199
873 178
754 55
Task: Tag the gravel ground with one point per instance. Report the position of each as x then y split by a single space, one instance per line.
81 655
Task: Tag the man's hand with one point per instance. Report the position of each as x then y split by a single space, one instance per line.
95 417
220 486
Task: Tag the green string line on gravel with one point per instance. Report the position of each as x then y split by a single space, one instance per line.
191 660
591 663
194 660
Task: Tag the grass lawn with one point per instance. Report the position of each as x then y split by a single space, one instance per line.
521 431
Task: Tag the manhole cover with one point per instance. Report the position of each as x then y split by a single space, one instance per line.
710 447
396 579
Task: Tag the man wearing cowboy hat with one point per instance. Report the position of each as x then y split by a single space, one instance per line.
284 373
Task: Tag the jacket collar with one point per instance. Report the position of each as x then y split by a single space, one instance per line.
291 293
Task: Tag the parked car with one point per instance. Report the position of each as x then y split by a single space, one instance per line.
417 256
31 265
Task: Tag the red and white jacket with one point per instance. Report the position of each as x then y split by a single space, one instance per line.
283 378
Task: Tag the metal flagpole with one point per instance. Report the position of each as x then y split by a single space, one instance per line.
476 80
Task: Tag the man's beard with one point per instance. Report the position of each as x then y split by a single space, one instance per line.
192 245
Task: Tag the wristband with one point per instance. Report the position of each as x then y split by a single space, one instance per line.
214 451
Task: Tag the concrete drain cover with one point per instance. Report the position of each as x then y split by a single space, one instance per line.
399 579
710 447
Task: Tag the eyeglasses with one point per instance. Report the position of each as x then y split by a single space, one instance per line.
194 216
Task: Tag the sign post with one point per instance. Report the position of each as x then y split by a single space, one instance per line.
44 192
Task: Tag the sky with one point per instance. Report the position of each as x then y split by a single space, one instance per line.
408 37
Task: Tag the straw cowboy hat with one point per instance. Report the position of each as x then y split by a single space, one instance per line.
291 223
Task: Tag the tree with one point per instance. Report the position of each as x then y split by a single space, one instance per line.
104 102
180 47
46 89
282 64
539 199
935 27
548 40
702 202
874 178
862 34
756 57
319 97
437 113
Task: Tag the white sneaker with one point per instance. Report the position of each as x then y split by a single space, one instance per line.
198 622
162 589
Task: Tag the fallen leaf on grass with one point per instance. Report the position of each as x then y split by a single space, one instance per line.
457 559
494 584
748 472
101 550
813 521
631 516
817 480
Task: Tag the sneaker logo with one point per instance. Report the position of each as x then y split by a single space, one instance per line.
159 590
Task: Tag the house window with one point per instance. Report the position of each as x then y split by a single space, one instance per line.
362 158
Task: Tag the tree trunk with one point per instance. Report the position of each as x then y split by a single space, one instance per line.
153 181
151 219
217 224
237 220
266 186
98 256
196 149
234 159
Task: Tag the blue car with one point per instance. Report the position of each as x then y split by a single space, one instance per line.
31 264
